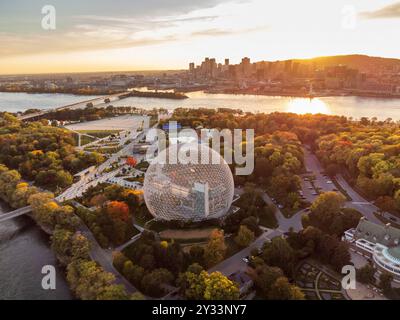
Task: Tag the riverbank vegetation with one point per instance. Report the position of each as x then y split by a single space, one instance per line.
155 94
42 153
87 280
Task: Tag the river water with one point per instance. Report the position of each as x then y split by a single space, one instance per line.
24 250
355 107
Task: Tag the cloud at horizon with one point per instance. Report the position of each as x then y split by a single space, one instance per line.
388 12
104 35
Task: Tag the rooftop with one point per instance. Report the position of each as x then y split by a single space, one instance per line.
386 235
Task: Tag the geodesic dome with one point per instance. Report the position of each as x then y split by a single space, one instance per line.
176 188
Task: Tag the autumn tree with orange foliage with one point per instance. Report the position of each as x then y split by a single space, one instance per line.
118 210
131 161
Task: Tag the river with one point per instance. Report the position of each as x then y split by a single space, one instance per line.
355 107
24 250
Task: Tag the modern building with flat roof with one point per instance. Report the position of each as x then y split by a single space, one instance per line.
380 243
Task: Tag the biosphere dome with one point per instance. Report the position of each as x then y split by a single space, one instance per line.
188 183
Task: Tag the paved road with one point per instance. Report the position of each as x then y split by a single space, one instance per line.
313 165
104 258
15 213
95 177
97 102
361 204
235 263
285 223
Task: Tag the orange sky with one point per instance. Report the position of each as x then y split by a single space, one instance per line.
169 34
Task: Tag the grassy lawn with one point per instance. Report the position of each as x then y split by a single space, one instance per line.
84 140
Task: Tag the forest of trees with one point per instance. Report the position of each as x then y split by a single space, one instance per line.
152 265
112 211
41 153
369 154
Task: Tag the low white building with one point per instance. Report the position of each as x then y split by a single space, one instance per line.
380 243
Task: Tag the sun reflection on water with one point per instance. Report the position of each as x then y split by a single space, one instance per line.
306 105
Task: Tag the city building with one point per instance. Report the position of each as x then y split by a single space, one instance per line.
379 243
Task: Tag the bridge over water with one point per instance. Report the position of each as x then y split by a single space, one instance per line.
15 213
79 105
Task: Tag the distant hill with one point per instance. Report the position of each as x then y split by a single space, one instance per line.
361 62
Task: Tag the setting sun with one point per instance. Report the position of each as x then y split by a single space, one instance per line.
306 105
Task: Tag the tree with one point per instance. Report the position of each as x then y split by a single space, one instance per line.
87 279
132 272
219 287
195 268
80 246
61 244
244 236
279 253
204 286
131 161
113 292
264 277
326 213
385 282
283 290
137 296
196 254
251 221
152 283
328 203
44 209
119 260
118 210
147 262
366 274
214 251
341 256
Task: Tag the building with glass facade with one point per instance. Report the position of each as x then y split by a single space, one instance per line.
189 191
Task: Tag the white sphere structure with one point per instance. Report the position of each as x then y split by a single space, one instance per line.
188 183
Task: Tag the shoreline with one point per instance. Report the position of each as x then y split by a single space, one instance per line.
162 95
74 93
293 95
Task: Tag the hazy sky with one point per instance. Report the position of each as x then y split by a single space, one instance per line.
99 35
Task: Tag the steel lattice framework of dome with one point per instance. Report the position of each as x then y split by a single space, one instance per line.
195 191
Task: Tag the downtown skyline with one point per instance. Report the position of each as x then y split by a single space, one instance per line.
155 36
